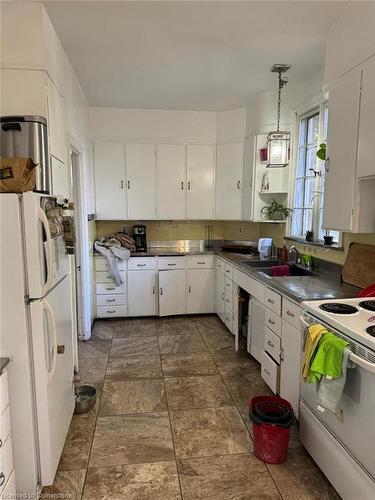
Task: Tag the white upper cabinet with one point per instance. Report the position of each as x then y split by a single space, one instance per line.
109 164
344 101
247 188
171 181
229 168
366 136
140 169
59 172
56 122
200 182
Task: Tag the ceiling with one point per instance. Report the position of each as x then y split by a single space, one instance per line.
189 55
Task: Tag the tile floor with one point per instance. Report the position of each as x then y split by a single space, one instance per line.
171 420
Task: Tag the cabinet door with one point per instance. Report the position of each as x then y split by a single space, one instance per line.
219 294
290 364
200 291
247 188
140 170
365 162
142 297
200 182
59 178
172 296
257 329
344 97
229 167
171 167
56 122
110 194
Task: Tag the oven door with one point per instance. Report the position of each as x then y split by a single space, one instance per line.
353 424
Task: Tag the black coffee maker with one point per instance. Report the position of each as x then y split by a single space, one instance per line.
139 236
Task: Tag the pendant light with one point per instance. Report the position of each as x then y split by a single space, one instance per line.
278 142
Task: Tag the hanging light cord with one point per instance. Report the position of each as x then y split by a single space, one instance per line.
282 83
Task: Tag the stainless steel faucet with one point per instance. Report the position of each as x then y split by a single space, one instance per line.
294 255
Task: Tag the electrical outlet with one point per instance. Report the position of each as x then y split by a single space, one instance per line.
240 229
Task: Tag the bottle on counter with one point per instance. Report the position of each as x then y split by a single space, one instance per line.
284 254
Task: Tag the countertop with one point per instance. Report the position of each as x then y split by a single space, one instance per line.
165 252
3 364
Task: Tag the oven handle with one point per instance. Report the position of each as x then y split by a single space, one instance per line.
363 363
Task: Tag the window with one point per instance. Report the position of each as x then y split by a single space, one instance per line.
309 178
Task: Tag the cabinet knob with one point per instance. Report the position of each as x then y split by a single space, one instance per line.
153 290
1 443
161 291
326 164
182 185
189 185
290 314
270 343
170 264
128 184
189 289
2 478
266 371
121 184
238 184
111 300
270 301
271 321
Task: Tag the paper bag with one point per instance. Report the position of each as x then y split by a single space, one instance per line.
17 175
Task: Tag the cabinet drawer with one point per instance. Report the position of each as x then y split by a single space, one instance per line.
105 277
228 318
111 300
6 462
109 289
228 299
272 344
165 263
201 261
101 264
228 285
273 301
111 311
291 313
270 372
4 426
273 321
220 265
9 490
4 396
139 263
228 271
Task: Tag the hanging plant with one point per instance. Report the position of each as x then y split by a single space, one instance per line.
276 211
322 151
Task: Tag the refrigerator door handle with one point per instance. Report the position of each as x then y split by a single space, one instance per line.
52 322
49 252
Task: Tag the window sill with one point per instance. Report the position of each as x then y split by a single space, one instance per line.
336 246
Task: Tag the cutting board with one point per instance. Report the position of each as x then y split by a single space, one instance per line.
359 267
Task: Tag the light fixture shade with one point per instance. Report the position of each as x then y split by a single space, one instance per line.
278 144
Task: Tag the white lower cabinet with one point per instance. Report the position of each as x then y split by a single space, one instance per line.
290 364
256 334
111 299
142 293
172 292
200 291
220 293
7 478
270 372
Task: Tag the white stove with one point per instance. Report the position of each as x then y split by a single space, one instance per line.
353 317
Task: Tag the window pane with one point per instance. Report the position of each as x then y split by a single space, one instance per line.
299 189
297 222
311 160
325 124
302 132
312 129
322 232
307 220
300 171
309 188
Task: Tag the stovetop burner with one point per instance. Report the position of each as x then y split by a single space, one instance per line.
338 308
371 330
368 304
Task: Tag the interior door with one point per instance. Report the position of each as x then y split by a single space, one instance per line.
110 193
200 182
172 297
171 167
229 168
51 331
142 298
140 170
200 291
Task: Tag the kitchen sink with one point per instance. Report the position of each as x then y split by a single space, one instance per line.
294 270
261 263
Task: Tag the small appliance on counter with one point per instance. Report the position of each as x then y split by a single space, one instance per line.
265 248
139 236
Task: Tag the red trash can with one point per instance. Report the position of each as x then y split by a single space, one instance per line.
272 417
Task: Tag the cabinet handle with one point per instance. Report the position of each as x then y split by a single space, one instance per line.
111 300
189 185
270 343
161 291
1 443
171 264
281 354
111 312
189 289
2 478
141 265
290 314
238 184
266 371
201 263
111 288
270 301
121 184
228 271
153 290
182 185
60 349
128 184
271 321
326 164
222 296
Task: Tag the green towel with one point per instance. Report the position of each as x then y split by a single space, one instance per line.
328 358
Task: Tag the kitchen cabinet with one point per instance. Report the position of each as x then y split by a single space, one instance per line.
200 182
247 187
172 292
229 171
142 293
56 122
110 193
290 369
220 290
140 184
200 291
366 135
257 329
340 177
59 173
171 181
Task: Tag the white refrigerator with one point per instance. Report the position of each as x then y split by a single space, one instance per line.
36 333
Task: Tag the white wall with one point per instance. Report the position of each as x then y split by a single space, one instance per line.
351 39
231 125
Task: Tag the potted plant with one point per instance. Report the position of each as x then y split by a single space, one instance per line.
322 151
309 236
276 211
